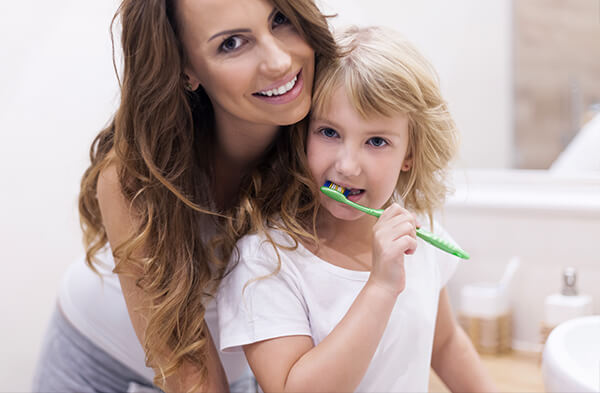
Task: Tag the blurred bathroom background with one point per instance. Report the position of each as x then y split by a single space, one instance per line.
522 78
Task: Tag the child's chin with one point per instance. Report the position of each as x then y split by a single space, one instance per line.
345 213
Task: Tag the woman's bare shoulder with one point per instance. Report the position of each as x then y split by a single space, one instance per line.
108 182
114 208
108 186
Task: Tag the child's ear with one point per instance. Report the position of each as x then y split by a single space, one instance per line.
407 163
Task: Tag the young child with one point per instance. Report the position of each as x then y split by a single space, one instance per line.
363 305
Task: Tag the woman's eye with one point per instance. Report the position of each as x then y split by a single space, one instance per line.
280 19
328 132
232 43
377 142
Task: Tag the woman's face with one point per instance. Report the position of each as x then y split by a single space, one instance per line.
250 60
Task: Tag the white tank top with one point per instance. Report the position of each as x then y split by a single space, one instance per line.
97 309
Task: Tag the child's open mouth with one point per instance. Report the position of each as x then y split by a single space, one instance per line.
354 194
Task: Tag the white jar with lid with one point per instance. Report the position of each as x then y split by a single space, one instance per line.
486 318
567 304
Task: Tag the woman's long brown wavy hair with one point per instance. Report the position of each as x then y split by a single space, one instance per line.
160 139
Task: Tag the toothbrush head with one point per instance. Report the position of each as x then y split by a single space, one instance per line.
336 187
334 192
339 193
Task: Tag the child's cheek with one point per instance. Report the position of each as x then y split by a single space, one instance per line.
313 155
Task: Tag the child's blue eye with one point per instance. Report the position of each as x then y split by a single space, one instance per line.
280 19
377 142
231 44
328 132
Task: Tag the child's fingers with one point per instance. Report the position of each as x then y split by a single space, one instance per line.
397 221
407 244
393 212
391 237
394 231
403 227
411 244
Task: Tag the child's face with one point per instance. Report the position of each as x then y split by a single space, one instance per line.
363 155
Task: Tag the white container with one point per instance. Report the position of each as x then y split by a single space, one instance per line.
567 304
483 300
486 318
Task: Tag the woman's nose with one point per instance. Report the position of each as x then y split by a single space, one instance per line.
347 163
277 60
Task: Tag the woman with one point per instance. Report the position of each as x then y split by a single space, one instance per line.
207 87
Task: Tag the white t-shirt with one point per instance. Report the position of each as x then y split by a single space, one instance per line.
309 296
97 309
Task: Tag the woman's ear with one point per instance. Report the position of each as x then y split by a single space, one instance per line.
190 81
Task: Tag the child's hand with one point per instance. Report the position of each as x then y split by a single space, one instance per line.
394 235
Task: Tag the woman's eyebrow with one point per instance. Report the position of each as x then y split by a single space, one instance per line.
228 32
235 31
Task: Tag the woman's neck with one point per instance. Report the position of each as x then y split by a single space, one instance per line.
240 142
239 149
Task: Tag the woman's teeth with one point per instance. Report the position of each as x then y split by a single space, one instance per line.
280 90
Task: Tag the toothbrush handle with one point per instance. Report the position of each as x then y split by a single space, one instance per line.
442 244
429 237
364 209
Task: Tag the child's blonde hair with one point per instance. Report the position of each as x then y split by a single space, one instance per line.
383 74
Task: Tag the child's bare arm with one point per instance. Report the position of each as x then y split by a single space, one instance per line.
340 361
453 353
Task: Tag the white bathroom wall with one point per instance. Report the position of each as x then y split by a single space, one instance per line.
549 220
470 44
57 90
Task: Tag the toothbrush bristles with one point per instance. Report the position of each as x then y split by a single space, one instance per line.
337 188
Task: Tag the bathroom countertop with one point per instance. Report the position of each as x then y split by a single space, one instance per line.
514 372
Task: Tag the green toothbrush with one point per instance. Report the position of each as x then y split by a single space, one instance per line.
336 192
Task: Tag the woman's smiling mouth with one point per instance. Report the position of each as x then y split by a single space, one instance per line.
280 90
284 92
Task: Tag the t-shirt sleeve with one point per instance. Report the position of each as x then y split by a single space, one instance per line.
447 263
255 302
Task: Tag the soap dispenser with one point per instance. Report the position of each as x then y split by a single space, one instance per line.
567 304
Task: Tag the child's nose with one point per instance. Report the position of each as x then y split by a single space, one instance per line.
347 163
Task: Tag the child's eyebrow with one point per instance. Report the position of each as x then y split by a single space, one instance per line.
327 121
381 133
